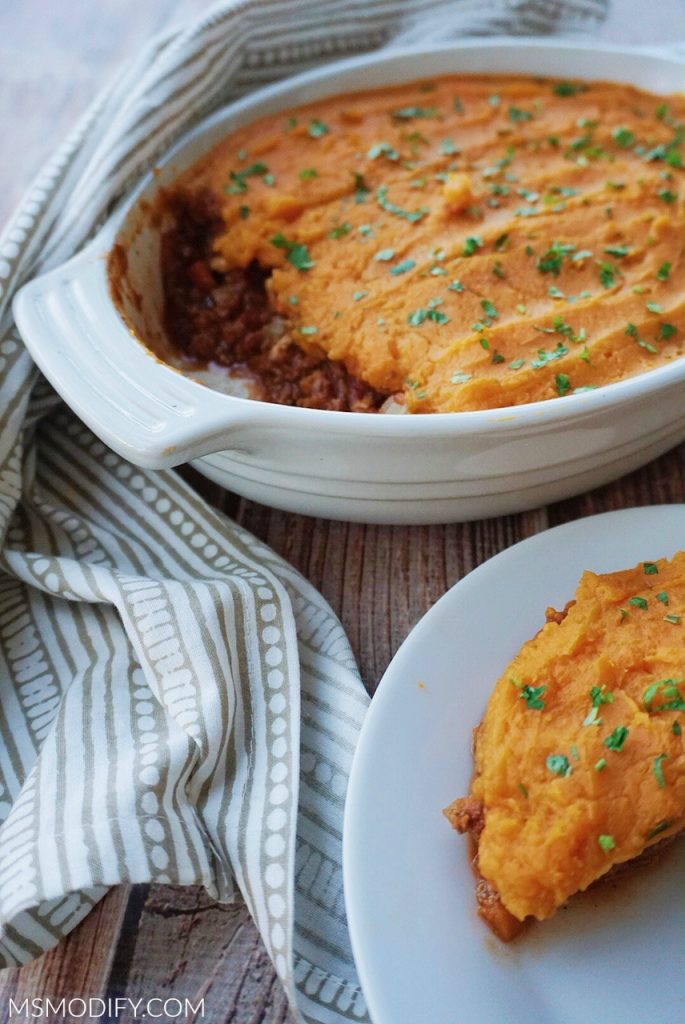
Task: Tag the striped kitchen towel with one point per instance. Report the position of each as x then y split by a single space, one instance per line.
177 704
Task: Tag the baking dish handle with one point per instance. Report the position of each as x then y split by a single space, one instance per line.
149 413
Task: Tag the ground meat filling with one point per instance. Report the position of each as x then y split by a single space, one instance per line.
216 314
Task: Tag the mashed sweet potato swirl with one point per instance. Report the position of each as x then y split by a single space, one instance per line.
473 242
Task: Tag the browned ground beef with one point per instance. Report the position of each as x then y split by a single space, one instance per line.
220 315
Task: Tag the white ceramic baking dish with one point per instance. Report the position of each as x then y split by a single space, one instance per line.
371 468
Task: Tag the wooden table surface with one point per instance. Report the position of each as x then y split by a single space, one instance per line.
146 941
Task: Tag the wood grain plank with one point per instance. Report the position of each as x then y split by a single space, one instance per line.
79 966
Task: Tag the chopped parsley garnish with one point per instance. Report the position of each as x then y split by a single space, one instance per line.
655 307
419 316
383 255
532 695
650 568
455 286
658 829
563 382
524 789
517 364
411 215
403 267
516 114
664 271
489 309
675 620
607 275
359 295
668 690
383 149
362 189
309 330
460 378
639 602
662 596
341 230
501 242
472 244
559 764
617 250
298 253
448 147
676 729
545 356
667 196
497 357
244 212
601 764
667 331
239 178
658 769
317 129
617 738
409 113
624 137
551 261
308 172
569 88
608 843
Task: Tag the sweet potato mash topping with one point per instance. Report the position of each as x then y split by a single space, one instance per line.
580 761
468 243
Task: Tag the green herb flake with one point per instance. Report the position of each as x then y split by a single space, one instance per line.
563 382
489 309
676 729
238 184
497 357
533 696
517 364
308 172
663 826
409 113
667 196
655 307
608 843
456 286
361 187
244 212
309 330
341 230
569 88
403 267
607 275
293 300
658 769
384 255
297 252
650 568
664 271
668 691
551 262
617 250
515 114
675 620
472 244
624 137
524 789
601 764
383 149
663 597
559 764
639 602
617 738
413 216
666 331
448 147
317 129
359 295
460 378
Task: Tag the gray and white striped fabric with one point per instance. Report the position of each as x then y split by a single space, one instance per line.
176 703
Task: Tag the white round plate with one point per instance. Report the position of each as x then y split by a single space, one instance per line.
614 955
